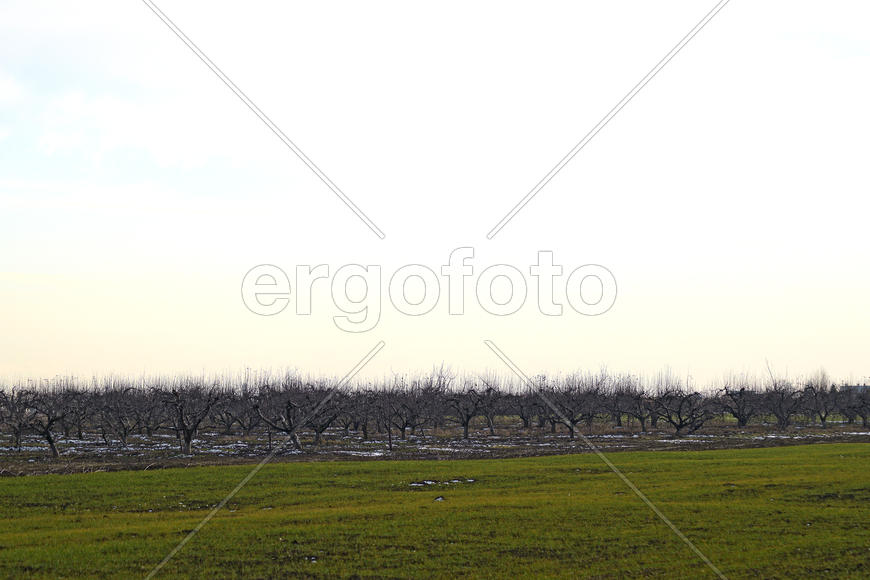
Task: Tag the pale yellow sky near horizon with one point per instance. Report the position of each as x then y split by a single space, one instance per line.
727 198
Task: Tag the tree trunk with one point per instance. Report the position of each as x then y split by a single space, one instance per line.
185 443
52 445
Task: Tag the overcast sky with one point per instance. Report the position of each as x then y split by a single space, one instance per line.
728 198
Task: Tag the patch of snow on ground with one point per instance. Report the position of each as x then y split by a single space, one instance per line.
362 453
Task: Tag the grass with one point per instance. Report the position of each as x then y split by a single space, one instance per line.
786 512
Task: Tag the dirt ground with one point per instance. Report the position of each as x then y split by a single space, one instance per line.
162 451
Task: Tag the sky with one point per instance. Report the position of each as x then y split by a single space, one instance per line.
726 200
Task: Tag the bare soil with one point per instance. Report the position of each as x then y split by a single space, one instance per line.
162 451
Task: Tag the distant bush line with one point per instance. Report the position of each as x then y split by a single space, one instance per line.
289 404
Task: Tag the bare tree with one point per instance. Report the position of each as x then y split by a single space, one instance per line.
465 405
856 400
282 409
612 402
151 413
579 398
492 403
686 411
524 405
223 413
381 410
740 398
241 408
117 411
635 402
188 404
360 409
348 415
323 409
405 404
80 412
50 406
295 404
435 387
820 398
16 412
780 400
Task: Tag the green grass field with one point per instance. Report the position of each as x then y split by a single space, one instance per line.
786 512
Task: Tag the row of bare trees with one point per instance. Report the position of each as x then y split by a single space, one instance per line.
289 404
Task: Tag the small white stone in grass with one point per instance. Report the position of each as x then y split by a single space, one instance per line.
439 498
